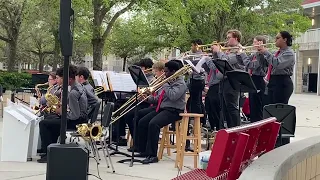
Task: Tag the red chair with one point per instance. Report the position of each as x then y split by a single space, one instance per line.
235 148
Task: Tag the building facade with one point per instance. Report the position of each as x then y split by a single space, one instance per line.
307 69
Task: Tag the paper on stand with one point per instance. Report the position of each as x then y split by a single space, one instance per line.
100 79
121 82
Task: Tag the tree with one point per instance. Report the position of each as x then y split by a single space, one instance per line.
11 17
103 16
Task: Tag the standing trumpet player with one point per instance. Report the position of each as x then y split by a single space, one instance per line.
237 59
257 67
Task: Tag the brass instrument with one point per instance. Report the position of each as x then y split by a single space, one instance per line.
53 102
100 89
207 47
37 89
89 131
131 101
182 71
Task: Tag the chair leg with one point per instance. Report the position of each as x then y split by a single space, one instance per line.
107 150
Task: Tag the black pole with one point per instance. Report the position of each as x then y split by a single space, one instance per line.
65 85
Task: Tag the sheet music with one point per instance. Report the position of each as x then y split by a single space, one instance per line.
33 102
122 82
100 79
193 67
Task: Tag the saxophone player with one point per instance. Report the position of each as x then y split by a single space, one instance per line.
77 114
170 103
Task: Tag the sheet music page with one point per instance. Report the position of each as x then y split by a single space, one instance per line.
33 102
100 78
192 66
201 62
121 82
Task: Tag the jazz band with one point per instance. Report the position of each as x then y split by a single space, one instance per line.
161 104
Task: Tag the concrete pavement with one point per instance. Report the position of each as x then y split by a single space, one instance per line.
308 124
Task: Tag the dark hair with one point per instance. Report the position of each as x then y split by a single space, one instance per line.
173 65
196 42
72 71
288 36
53 75
84 72
261 38
146 62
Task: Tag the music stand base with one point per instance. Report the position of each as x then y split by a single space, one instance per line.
131 161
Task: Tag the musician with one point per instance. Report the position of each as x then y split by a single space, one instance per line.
236 58
158 70
82 76
171 102
257 68
77 112
280 86
52 81
145 64
212 100
196 83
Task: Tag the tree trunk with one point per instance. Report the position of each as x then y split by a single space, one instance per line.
124 63
56 55
41 62
12 55
98 45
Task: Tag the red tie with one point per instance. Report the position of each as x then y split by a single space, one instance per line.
160 100
253 59
270 67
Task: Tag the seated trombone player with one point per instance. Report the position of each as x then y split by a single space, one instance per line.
77 113
170 103
158 70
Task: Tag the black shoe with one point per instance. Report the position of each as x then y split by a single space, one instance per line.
150 159
143 155
43 159
133 149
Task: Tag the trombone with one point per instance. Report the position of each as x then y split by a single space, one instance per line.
130 102
185 69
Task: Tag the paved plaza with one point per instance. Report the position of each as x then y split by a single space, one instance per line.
308 124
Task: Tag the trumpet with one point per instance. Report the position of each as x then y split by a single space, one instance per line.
184 70
207 47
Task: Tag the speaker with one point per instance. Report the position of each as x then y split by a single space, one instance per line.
67 161
65 33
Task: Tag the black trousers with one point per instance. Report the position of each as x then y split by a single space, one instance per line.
50 129
194 103
256 99
213 107
149 127
280 89
129 117
230 103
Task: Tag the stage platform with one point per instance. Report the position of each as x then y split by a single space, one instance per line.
308 125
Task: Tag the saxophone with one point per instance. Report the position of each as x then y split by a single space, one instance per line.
38 91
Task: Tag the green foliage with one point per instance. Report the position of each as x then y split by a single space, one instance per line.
14 80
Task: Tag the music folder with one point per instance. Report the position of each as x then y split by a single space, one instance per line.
100 79
222 65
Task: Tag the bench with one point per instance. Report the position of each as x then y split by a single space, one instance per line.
235 148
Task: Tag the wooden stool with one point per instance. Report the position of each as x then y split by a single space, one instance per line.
165 140
196 137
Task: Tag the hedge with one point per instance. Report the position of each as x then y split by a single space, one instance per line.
14 80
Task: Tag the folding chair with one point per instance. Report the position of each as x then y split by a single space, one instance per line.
286 115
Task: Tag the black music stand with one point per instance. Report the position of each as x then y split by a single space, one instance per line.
241 81
140 80
223 66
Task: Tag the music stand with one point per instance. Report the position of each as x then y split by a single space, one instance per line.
241 81
223 66
140 80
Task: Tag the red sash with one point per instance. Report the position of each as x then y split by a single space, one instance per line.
270 67
160 100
